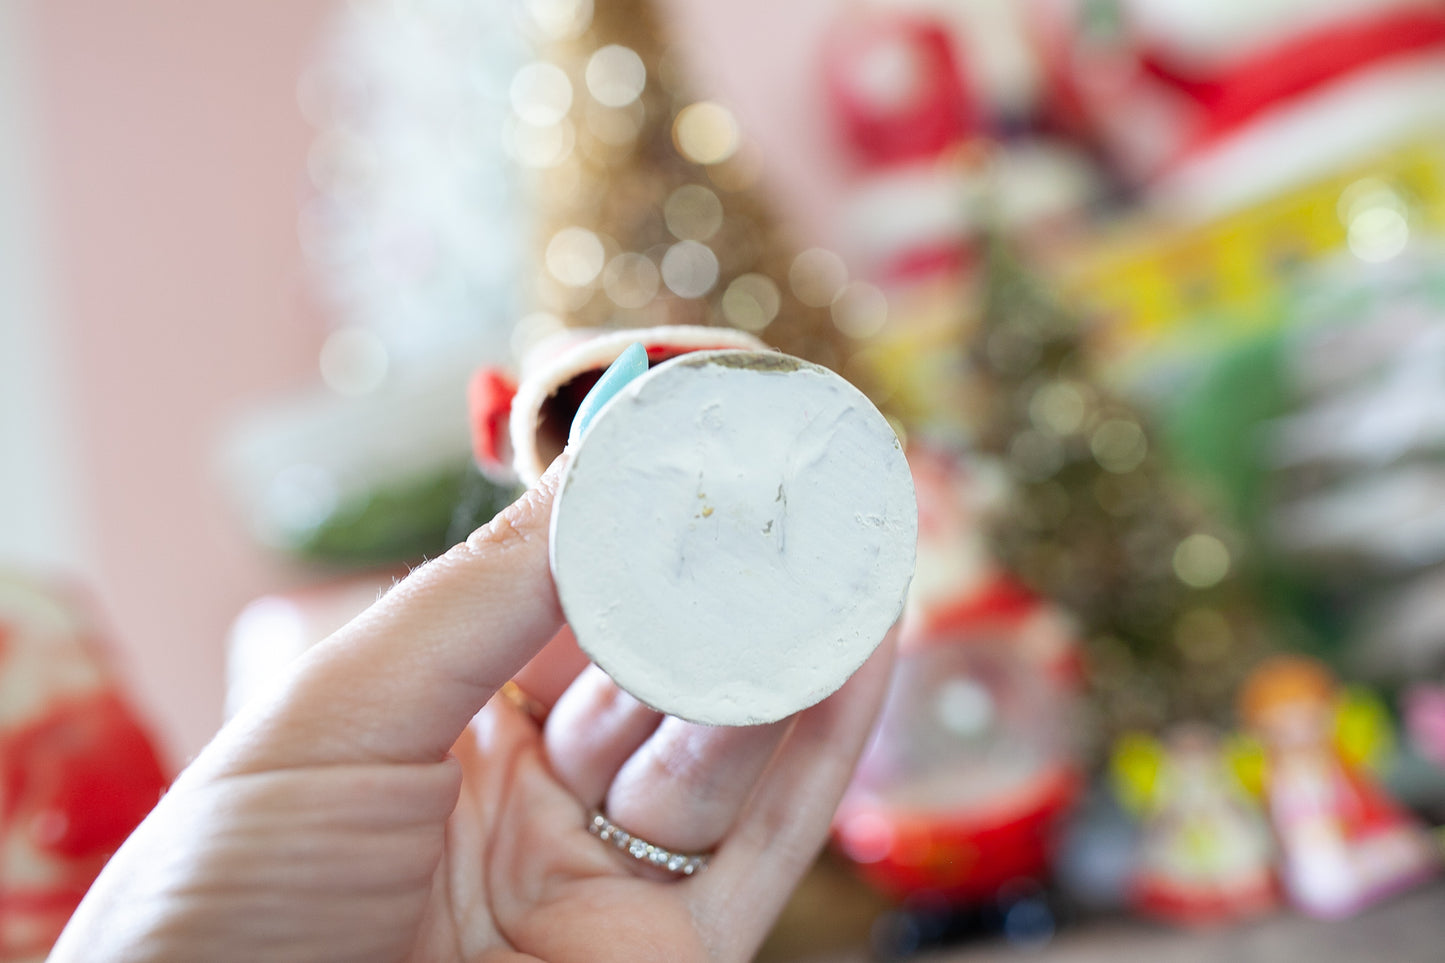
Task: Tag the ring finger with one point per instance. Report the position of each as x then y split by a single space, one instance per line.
685 786
674 783
592 730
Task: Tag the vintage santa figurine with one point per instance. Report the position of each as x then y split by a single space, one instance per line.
1210 105
78 771
974 765
734 530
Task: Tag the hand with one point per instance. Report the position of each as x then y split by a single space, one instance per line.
387 804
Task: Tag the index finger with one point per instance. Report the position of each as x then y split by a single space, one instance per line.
400 682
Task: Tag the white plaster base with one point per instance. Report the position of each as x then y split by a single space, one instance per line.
734 535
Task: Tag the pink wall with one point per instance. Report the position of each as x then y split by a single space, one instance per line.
174 160
772 78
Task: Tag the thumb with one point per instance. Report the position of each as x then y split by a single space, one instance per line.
401 681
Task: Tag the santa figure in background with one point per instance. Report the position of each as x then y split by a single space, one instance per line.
1211 105
974 765
77 770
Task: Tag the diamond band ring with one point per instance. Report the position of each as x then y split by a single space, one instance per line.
680 864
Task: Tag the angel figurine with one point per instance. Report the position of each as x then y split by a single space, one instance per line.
1205 855
1343 843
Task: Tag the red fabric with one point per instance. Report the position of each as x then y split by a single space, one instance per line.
1264 78
88 762
1004 601
489 404
661 350
75 782
938 260
936 113
969 856
1203 906
1364 809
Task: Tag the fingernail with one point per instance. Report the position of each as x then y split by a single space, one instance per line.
629 364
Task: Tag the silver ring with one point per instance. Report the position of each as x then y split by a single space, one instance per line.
680 864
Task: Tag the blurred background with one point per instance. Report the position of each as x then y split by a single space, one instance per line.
154 163
1153 292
